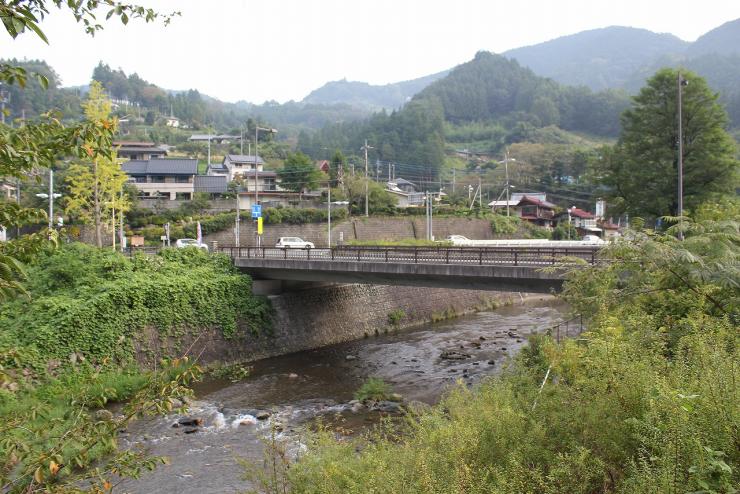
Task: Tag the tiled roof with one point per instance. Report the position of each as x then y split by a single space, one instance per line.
212 184
536 201
145 144
580 213
244 158
161 166
135 167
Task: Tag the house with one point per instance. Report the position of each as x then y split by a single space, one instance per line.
7 189
323 165
214 185
610 229
139 150
405 193
583 221
173 178
242 168
533 207
172 122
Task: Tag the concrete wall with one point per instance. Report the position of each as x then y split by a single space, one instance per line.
373 228
313 318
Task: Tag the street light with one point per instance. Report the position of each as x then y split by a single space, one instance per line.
51 196
257 129
506 165
328 211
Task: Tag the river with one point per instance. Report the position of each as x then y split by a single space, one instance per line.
299 388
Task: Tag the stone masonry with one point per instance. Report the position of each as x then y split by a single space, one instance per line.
374 228
317 317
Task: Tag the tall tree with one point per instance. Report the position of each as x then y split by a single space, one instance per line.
299 173
96 189
643 169
335 165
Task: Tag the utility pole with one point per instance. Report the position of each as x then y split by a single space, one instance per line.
681 82
367 179
4 97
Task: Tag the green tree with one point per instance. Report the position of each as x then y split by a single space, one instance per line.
642 170
354 192
299 173
337 162
95 189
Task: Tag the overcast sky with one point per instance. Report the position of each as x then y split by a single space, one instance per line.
282 49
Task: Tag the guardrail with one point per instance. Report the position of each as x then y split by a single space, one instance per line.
516 256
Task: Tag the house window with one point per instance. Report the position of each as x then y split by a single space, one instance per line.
269 184
140 180
182 179
157 179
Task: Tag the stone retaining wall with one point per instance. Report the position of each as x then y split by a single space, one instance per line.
373 228
313 318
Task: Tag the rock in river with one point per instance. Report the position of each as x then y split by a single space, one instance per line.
454 355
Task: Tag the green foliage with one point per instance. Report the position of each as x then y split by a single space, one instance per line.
564 231
504 224
94 303
53 440
231 372
373 389
646 401
642 169
299 173
395 316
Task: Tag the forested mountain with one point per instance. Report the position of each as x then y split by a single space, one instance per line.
144 103
599 58
364 95
724 40
491 88
33 100
624 58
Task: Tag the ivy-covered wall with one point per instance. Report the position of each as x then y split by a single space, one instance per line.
94 304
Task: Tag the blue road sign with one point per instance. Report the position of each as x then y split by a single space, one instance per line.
256 210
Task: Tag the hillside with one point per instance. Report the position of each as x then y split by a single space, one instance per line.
374 97
599 58
493 88
724 40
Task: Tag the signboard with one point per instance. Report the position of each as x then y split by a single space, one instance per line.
259 226
256 211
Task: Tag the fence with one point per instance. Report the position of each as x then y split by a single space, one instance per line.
566 329
515 256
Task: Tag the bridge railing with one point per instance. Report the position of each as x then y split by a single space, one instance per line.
525 256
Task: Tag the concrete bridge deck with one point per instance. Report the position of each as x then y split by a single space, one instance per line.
497 269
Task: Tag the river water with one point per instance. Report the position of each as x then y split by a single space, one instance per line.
300 388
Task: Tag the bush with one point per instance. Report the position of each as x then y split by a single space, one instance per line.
373 389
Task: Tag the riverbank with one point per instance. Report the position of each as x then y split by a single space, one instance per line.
331 314
299 389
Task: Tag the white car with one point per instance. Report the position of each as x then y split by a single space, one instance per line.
593 239
190 242
457 239
293 243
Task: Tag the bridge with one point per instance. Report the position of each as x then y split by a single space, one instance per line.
485 268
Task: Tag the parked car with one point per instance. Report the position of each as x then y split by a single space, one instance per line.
190 242
457 239
293 243
594 239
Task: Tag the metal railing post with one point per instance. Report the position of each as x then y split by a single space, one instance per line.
516 258
480 256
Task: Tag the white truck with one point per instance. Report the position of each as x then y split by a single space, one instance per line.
462 241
